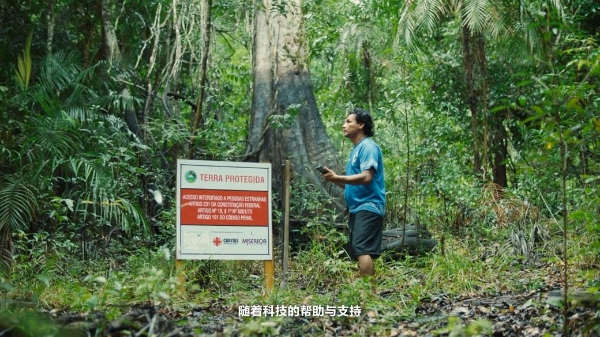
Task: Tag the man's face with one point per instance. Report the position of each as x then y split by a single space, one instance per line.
351 128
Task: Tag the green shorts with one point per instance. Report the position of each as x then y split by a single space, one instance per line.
365 232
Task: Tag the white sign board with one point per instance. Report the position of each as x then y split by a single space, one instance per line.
223 210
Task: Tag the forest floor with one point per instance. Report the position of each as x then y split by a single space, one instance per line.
524 299
503 315
529 313
525 314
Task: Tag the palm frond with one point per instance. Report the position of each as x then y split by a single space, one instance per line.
23 71
45 99
407 24
82 100
59 71
6 251
497 25
560 8
120 101
47 137
62 87
131 216
430 14
111 208
96 175
475 15
18 203
417 17
520 49
99 195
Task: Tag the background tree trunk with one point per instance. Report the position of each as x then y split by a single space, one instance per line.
198 114
263 78
499 149
472 99
111 45
50 29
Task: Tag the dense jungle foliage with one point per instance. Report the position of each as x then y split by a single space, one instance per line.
487 113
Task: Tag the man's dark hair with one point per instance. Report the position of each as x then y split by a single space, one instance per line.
363 116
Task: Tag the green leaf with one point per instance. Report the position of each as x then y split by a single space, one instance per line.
574 104
500 108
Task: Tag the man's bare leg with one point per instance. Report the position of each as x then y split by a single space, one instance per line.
365 265
367 268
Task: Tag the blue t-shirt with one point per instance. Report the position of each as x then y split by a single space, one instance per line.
369 197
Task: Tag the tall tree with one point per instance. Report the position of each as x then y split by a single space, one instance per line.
288 126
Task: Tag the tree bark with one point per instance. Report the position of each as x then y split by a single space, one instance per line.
305 142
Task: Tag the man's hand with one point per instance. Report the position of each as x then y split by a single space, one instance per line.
330 175
362 178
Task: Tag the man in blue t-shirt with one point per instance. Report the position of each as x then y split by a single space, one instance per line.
364 190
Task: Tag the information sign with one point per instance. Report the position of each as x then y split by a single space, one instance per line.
223 210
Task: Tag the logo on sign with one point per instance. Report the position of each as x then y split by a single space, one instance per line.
217 241
230 241
254 241
190 176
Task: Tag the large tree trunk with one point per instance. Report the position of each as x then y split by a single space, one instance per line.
305 141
